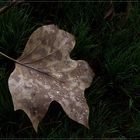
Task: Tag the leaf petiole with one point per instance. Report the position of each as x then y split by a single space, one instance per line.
30 67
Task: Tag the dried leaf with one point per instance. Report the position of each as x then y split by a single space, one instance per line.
110 12
45 73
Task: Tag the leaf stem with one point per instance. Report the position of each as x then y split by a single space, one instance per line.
9 57
30 67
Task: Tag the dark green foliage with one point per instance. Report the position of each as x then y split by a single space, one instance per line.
112 48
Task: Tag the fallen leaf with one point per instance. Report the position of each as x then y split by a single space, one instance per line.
45 73
110 12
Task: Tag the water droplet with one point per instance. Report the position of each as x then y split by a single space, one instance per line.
74 109
59 75
80 118
77 76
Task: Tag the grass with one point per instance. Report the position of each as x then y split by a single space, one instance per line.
111 48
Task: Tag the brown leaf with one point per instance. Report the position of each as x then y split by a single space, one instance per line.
110 12
46 73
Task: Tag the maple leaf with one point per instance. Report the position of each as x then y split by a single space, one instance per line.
45 73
